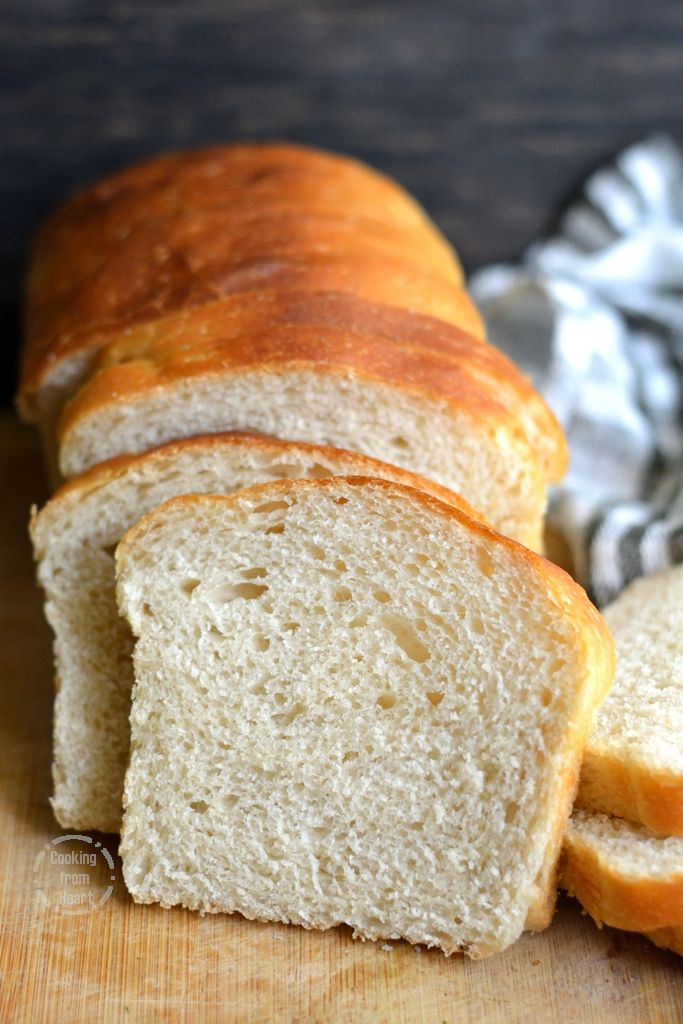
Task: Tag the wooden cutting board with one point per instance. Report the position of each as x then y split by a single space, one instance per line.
121 962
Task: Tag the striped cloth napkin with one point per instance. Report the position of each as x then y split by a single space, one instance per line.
594 315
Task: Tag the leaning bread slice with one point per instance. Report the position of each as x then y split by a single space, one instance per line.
625 876
353 703
633 765
427 411
74 537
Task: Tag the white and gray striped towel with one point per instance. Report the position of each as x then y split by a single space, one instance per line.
595 317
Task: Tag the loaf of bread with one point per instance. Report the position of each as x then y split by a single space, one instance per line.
183 230
278 290
633 764
626 876
74 537
353 703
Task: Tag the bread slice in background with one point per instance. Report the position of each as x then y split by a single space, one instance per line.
453 416
626 876
353 703
74 537
633 765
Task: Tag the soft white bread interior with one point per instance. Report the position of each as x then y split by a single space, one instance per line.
74 537
473 448
633 766
353 703
626 876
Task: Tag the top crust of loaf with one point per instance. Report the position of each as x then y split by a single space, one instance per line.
574 615
633 765
148 240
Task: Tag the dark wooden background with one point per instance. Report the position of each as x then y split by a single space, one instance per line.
491 111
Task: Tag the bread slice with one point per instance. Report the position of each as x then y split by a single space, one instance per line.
353 703
625 876
332 370
185 229
633 766
74 538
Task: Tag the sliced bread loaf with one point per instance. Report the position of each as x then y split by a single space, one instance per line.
184 229
353 703
633 765
625 876
74 538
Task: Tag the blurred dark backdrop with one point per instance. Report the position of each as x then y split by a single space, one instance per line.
491 112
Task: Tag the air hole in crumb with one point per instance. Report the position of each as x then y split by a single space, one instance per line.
340 565
229 592
318 472
420 624
386 701
399 442
147 610
254 574
360 620
341 501
546 696
406 638
290 627
111 550
381 596
434 697
273 506
277 528
558 664
511 811
477 626
485 562
288 716
200 806
280 698
350 755
261 643
258 688
417 826
187 586
342 594
317 551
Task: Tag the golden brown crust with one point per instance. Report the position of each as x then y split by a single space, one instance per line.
183 229
668 938
631 790
635 904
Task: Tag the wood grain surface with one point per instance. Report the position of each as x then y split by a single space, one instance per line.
491 112
123 962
